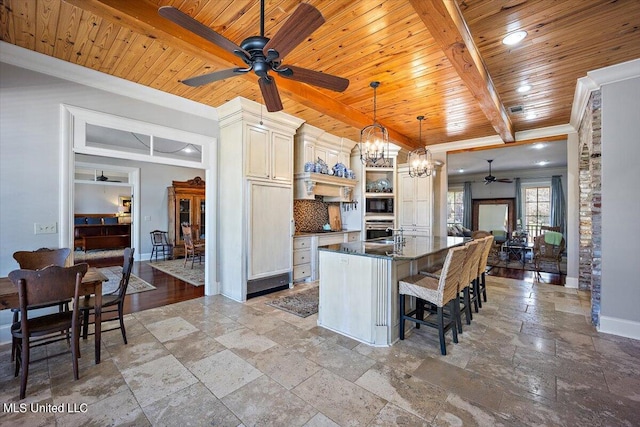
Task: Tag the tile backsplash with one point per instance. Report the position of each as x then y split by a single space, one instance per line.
310 215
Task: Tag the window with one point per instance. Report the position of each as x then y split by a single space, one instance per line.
455 207
537 208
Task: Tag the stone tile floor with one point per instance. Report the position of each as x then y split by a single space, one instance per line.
529 358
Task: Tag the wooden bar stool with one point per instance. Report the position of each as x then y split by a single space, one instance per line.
437 292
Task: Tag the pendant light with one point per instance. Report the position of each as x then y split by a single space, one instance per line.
420 162
374 140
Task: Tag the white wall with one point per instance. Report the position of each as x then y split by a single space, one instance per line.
97 198
620 294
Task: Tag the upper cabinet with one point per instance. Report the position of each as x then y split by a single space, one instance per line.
313 144
269 154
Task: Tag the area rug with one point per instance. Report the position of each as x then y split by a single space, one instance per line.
547 267
176 268
114 274
82 256
303 303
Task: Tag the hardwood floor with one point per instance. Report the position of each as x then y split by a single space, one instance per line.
171 290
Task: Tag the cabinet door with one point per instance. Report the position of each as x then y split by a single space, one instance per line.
423 202
282 157
407 200
257 152
199 217
185 211
269 234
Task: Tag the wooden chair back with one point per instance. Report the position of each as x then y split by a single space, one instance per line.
126 272
41 258
36 287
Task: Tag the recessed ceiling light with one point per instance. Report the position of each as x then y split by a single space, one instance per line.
524 88
187 149
530 116
542 163
461 170
538 146
514 38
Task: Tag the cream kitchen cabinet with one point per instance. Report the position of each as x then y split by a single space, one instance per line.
255 194
415 210
269 154
312 143
302 258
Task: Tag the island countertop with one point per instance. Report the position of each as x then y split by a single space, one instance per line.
412 249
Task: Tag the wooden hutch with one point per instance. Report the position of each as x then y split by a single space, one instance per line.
186 204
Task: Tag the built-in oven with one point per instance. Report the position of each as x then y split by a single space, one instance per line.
376 228
379 205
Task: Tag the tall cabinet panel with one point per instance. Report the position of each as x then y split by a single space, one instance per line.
415 214
255 198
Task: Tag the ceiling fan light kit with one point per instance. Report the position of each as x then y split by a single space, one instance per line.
420 160
374 139
261 54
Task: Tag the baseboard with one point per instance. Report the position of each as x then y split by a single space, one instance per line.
620 327
571 282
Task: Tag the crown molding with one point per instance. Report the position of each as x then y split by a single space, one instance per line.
35 61
594 80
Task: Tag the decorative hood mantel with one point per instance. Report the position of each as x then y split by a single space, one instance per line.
332 188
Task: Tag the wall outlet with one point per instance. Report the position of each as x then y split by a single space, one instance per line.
48 228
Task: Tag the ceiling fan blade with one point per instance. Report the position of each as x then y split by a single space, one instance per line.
213 77
315 78
188 23
270 94
304 21
505 180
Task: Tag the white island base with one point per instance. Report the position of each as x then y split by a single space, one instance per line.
359 286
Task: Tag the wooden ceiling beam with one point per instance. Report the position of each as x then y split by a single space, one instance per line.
142 17
444 21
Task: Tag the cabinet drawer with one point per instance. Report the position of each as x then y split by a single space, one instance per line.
301 257
301 271
301 242
353 237
331 240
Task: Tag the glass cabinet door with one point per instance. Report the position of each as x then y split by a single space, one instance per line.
185 206
201 219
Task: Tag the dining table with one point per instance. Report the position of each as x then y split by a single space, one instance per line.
91 285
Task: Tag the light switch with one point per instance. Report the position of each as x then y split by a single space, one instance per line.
45 228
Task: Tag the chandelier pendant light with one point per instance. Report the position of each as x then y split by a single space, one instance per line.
374 140
420 161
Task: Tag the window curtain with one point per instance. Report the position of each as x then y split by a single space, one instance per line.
557 203
466 205
519 203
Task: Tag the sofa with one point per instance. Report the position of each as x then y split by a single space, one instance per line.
457 230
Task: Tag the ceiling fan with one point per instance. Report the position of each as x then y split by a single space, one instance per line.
261 54
490 178
104 178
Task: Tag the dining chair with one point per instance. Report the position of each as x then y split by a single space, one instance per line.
112 302
160 244
35 260
439 292
191 249
482 268
47 286
548 247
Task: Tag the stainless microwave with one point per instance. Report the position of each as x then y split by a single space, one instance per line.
379 205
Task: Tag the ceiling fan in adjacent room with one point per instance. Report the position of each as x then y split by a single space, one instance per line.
261 54
490 178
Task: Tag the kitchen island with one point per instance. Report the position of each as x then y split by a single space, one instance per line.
359 283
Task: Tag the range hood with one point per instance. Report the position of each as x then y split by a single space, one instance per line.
308 185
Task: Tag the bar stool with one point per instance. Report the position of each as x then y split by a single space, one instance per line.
437 292
482 267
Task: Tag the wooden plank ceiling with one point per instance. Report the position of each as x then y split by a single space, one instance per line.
443 59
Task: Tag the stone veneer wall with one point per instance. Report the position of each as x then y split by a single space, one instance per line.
590 203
